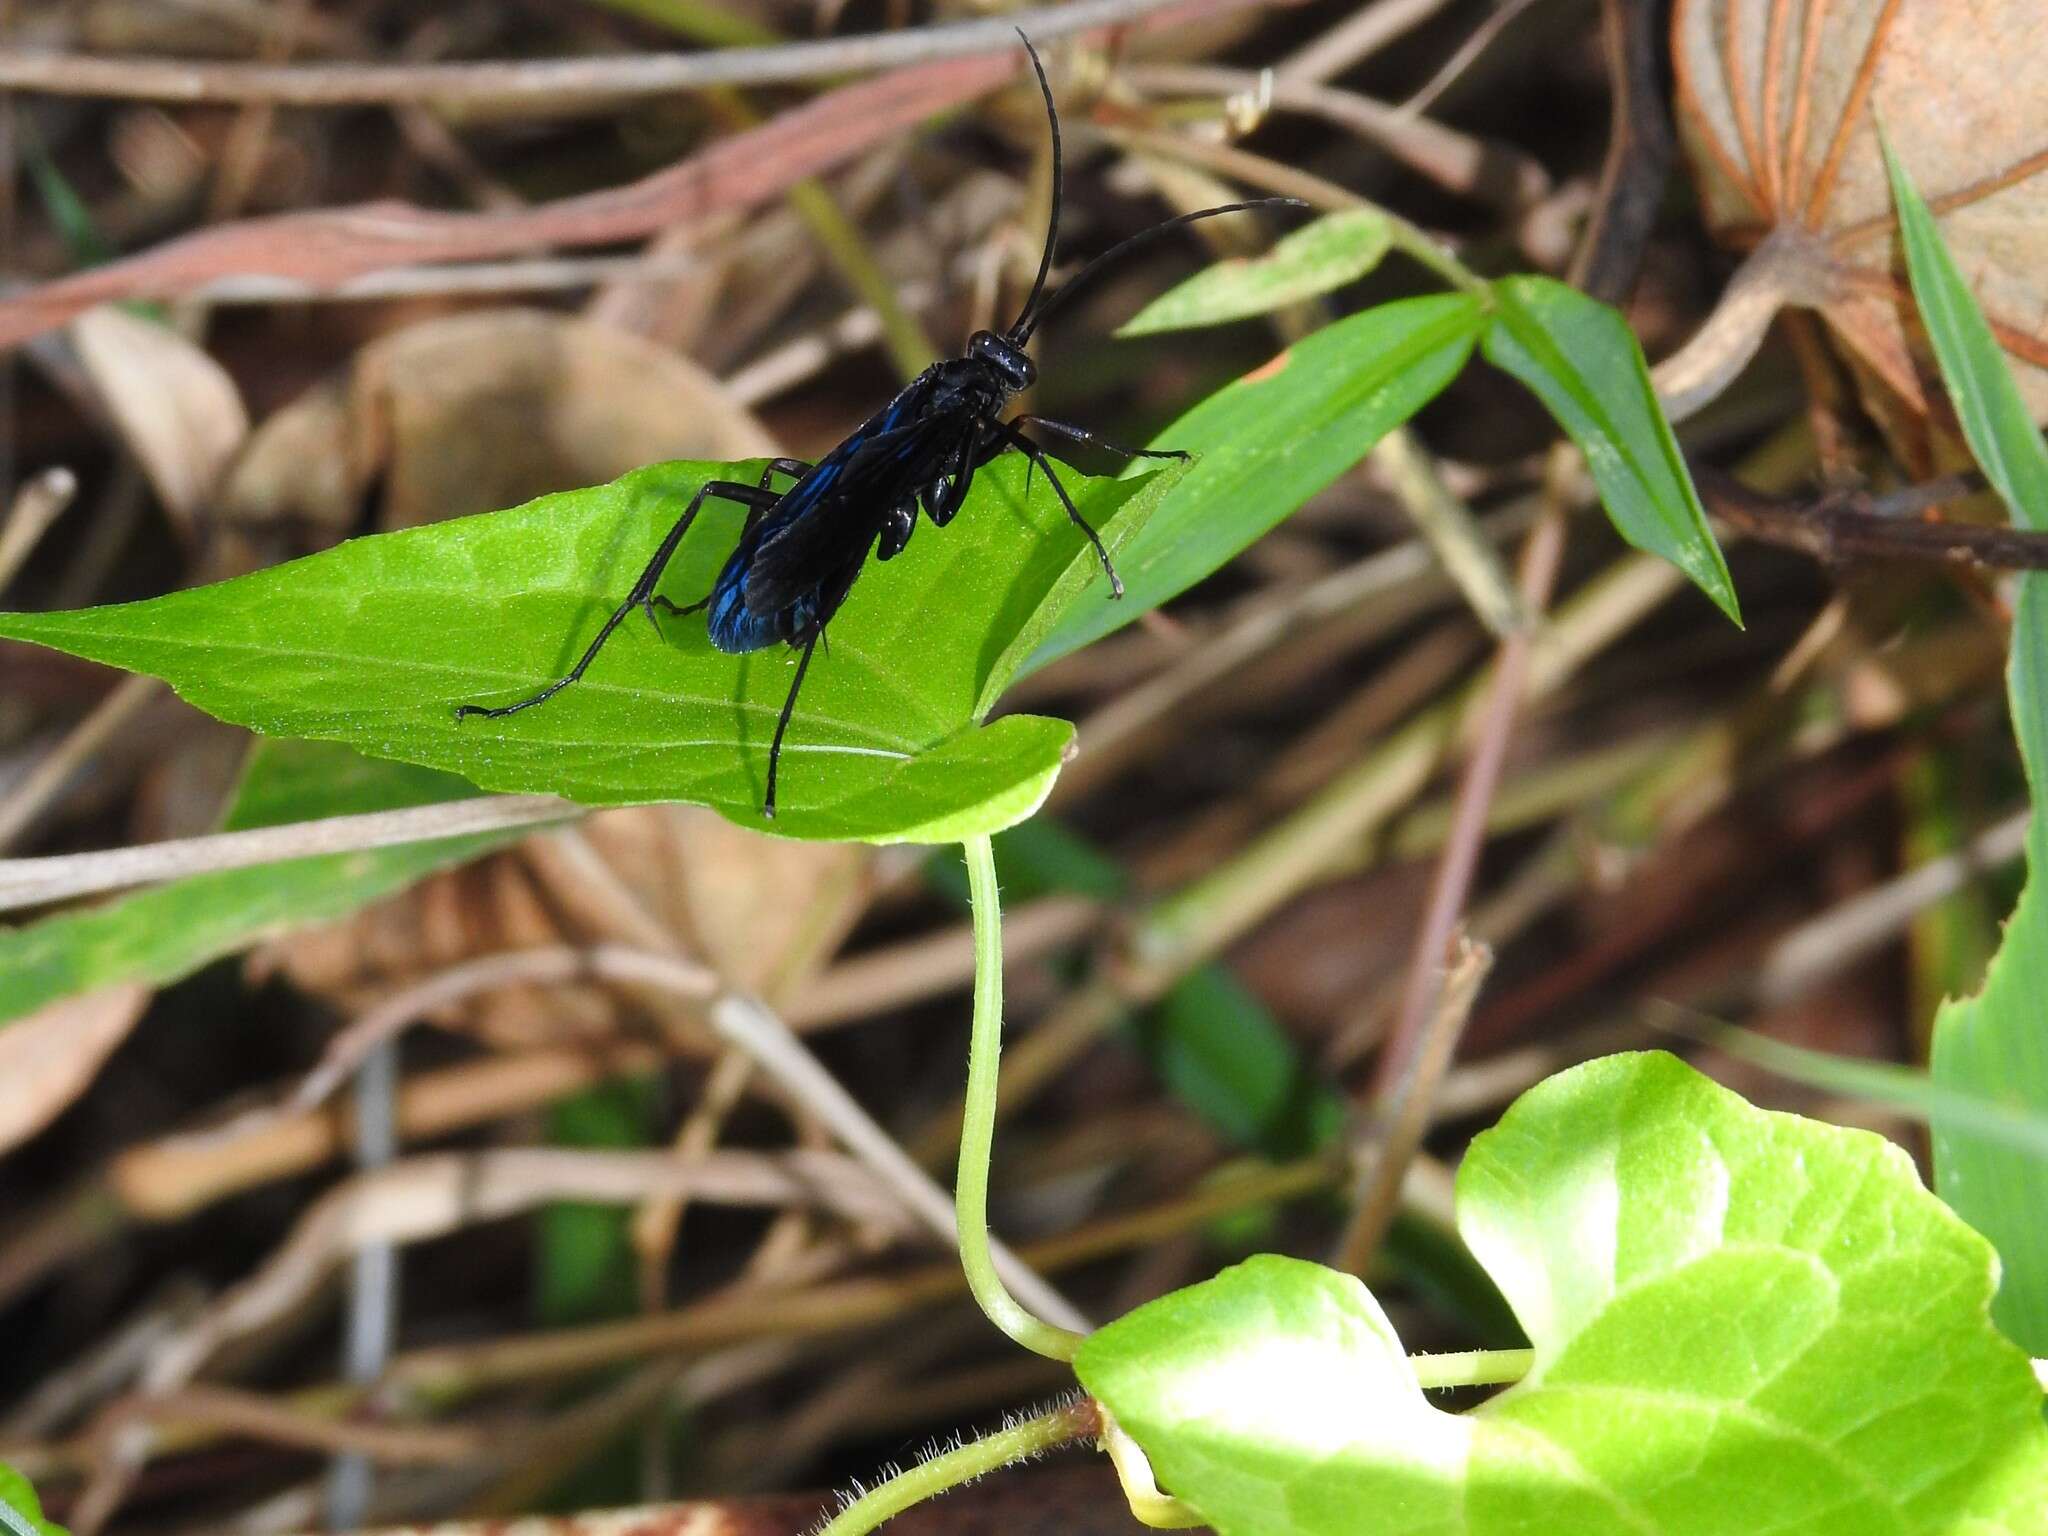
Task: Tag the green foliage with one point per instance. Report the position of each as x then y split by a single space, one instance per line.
1741 1321
1213 1044
21 1512
1336 249
586 1266
163 934
1579 358
1266 443
374 643
1993 1044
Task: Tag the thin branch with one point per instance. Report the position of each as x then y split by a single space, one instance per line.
1410 1107
33 882
36 505
1493 172
258 1417
53 772
1825 945
1844 528
555 82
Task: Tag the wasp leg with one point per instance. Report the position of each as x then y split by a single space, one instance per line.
731 491
756 510
782 724
1068 430
1042 460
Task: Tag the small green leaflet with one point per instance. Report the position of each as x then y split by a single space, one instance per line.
1266 443
1336 249
373 643
21 1512
1580 359
1742 1321
1993 1044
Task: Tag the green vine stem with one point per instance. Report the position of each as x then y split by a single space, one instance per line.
978 1123
1473 1368
929 1479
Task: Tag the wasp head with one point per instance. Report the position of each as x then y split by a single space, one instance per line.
1005 357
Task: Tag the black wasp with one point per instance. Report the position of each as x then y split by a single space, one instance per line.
802 547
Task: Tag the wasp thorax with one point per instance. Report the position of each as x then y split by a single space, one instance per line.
1005 357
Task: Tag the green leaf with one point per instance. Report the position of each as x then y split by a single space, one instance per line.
375 642
1336 249
1266 443
1996 424
160 935
21 1512
586 1264
1742 1321
1221 1052
1993 1044
1580 359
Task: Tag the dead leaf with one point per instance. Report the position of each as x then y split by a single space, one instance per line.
177 409
50 1057
1779 101
477 411
764 912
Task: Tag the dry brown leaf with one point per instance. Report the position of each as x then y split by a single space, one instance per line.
476 411
49 1058
177 409
1779 101
765 912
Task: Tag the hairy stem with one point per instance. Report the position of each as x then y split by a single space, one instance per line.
931 1478
978 1127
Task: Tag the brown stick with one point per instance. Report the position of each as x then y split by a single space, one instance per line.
1845 528
330 246
553 81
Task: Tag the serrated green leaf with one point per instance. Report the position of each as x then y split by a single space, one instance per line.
1993 1044
1266 443
1742 1321
1579 358
160 935
1336 249
21 1512
375 642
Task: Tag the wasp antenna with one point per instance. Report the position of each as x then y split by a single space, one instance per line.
1052 224
1020 333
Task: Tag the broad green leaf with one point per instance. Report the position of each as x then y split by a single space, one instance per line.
1742 1321
163 934
21 1512
374 643
1580 359
1994 1044
1336 249
1266 443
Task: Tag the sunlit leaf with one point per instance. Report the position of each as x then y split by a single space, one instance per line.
1580 359
1741 1321
375 642
1274 438
1336 249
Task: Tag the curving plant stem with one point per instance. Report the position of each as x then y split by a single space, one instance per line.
978 1123
929 1478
